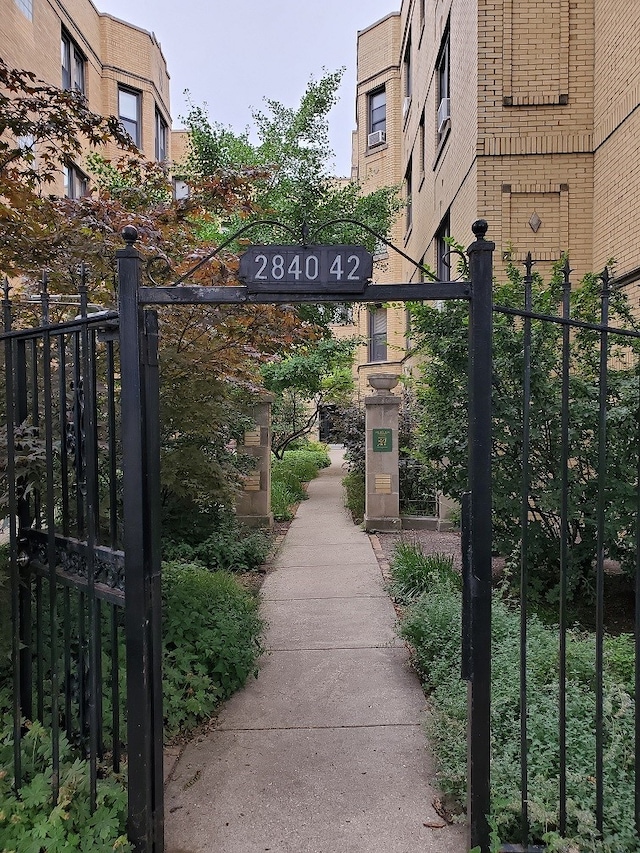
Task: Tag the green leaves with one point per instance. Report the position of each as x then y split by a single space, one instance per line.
440 336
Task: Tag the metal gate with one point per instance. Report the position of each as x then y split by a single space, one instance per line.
82 469
83 475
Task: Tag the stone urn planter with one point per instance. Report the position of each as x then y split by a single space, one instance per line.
383 383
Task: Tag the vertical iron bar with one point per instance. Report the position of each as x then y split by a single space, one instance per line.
115 687
11 414
480 446
47 392
82 673
602 486
66 622
113 461
91 478
524 555
24 522
564 543
78 432
144 752
39 651
35 417
152 419
64 457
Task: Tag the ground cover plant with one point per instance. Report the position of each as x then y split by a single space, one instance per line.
289 474
211 642
431 625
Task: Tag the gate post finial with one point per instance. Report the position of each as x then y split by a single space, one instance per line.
480 228
129 234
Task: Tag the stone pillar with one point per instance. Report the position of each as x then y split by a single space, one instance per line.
382 502
253 504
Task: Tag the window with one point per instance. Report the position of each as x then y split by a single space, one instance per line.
180 189
378 334
377 118
129 112
443 264
162 136
444 91
407 76
76 183
26 7
408 194
422 12
422 154
72 61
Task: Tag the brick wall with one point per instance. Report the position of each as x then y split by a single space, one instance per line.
115 52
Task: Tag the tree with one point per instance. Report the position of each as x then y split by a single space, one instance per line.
311 377
210 357
41 129
293 183
441 337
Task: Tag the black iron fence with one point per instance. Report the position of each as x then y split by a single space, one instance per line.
571 430
81 474
65 525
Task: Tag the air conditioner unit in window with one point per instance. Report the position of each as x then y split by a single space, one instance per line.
444 113
376 138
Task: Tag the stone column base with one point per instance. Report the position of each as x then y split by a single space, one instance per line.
382 525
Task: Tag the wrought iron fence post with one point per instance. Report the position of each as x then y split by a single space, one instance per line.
480 538
142 557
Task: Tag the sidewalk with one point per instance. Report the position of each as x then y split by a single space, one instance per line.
324 752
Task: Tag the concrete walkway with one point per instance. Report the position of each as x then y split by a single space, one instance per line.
324 752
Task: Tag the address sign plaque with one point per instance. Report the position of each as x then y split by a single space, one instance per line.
317 269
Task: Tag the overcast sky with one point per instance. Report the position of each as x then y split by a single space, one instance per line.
231 55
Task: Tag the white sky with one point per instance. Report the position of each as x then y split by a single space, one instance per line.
230 55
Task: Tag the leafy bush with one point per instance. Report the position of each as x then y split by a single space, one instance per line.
290 473
282 499
31 823
212 640
229 547
413 572
354 487
432 628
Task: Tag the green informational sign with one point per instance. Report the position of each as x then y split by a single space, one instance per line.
382 440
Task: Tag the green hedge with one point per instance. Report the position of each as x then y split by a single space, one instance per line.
432 626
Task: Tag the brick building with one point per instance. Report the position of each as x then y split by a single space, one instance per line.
119 67
527 115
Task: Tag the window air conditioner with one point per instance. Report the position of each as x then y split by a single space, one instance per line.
376 138
444 113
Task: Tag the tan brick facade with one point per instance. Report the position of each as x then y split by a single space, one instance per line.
539 134
115 53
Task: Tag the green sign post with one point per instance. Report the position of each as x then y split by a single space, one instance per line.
382 441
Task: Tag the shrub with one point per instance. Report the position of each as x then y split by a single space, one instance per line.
212 640
290 473
432 628
229 548
31 823
413 572
354 487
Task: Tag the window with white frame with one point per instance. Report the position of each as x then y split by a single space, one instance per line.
442 249
444 86
408 83
377 133
408 195
162 137
129 112
76 183
378 334
72 61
